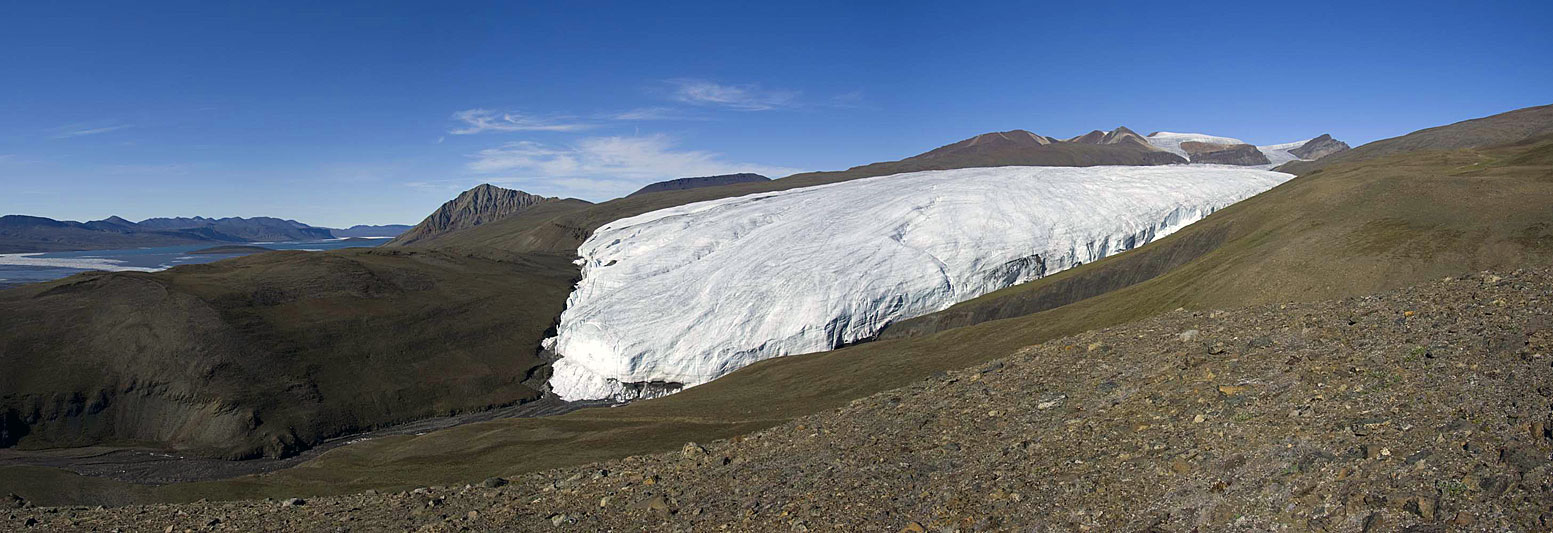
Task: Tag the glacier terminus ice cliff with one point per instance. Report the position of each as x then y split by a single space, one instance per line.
680 296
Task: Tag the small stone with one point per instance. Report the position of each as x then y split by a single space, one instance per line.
493 482
1188 335
434 502
1423 507
292 502
1374 522
558 519
169 529
1180 466
693 451
1199 419
473 515
212 522
604 502
914 527
1049 403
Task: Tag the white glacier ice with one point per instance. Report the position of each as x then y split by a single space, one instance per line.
1277 154
683 295
1171 141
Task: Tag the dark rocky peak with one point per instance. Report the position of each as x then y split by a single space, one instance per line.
481 205
1319 147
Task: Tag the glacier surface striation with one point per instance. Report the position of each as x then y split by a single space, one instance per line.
680 296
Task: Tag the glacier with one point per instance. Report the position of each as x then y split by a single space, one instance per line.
680 296
1277 154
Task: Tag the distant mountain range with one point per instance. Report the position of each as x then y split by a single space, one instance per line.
22 233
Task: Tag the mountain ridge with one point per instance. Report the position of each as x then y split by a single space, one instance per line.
698 182
479 205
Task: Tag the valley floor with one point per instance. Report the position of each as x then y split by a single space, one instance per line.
1423 409
157 467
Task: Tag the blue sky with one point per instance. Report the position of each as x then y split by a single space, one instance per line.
377 112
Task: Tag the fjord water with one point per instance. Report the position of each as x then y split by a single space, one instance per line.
23 268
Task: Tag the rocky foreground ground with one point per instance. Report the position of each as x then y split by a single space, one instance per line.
1424 409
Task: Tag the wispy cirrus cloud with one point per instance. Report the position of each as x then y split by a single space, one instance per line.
655 113
485 120
82 130
749 97
847 100
603 167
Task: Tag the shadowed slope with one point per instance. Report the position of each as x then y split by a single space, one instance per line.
271 353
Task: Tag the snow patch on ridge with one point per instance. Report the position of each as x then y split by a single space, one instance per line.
680 296
1171 141
1277 154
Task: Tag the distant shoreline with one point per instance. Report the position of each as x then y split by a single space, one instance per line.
233 249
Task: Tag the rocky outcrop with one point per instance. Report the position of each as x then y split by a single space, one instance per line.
481 205
1319 147
1224 154
696 183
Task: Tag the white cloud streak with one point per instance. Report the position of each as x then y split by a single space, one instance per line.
604 167
79 130
655 113
486 120
739 97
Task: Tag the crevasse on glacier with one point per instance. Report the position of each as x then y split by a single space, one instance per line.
681 296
